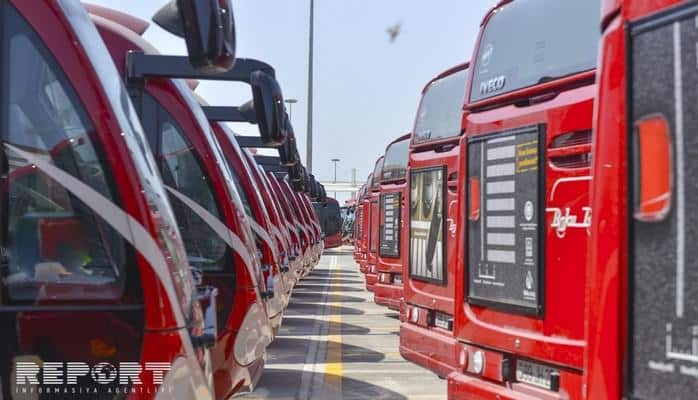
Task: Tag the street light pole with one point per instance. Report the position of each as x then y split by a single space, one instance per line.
309 143
290 103
335 161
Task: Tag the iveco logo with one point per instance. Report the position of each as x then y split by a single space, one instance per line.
493 85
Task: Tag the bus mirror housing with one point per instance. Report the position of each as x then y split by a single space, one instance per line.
294 173
207 26
313 187
298 177
268 102
323 194
305 179
288 152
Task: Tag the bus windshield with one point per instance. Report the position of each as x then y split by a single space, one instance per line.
529 42
395 163
440 113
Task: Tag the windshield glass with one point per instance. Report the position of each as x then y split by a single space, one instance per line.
369 184
56 247
551 39
212 141
440 112
245 196
376 173
142 158
395 163
181 170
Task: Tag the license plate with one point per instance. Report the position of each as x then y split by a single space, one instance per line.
535 374
443 321
397 279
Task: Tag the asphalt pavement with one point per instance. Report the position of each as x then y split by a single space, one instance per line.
336 343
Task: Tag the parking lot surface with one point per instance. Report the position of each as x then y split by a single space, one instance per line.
336 343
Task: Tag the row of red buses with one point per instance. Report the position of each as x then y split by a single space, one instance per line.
379 246
551 301
141 240
412 223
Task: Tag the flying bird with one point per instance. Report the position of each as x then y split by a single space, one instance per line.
394 31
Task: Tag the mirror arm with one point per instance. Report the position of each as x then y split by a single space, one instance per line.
140 66
267 160
270 163
229 114
252 141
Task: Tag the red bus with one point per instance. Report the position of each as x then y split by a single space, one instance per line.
358 220
256 208
364 229
89 233
298 259
373 196
526 210
216 230
330 220
393 247
426 336
642 315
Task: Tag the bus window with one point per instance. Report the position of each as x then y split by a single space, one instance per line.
181 170
56 248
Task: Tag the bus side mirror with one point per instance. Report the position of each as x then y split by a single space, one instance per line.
288 152
313 189
207 26
323 194
294 173
269 108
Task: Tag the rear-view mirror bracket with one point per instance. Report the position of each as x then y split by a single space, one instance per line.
140 66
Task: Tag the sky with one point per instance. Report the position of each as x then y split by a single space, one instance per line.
366 89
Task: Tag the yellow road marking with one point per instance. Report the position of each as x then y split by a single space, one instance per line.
333 361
